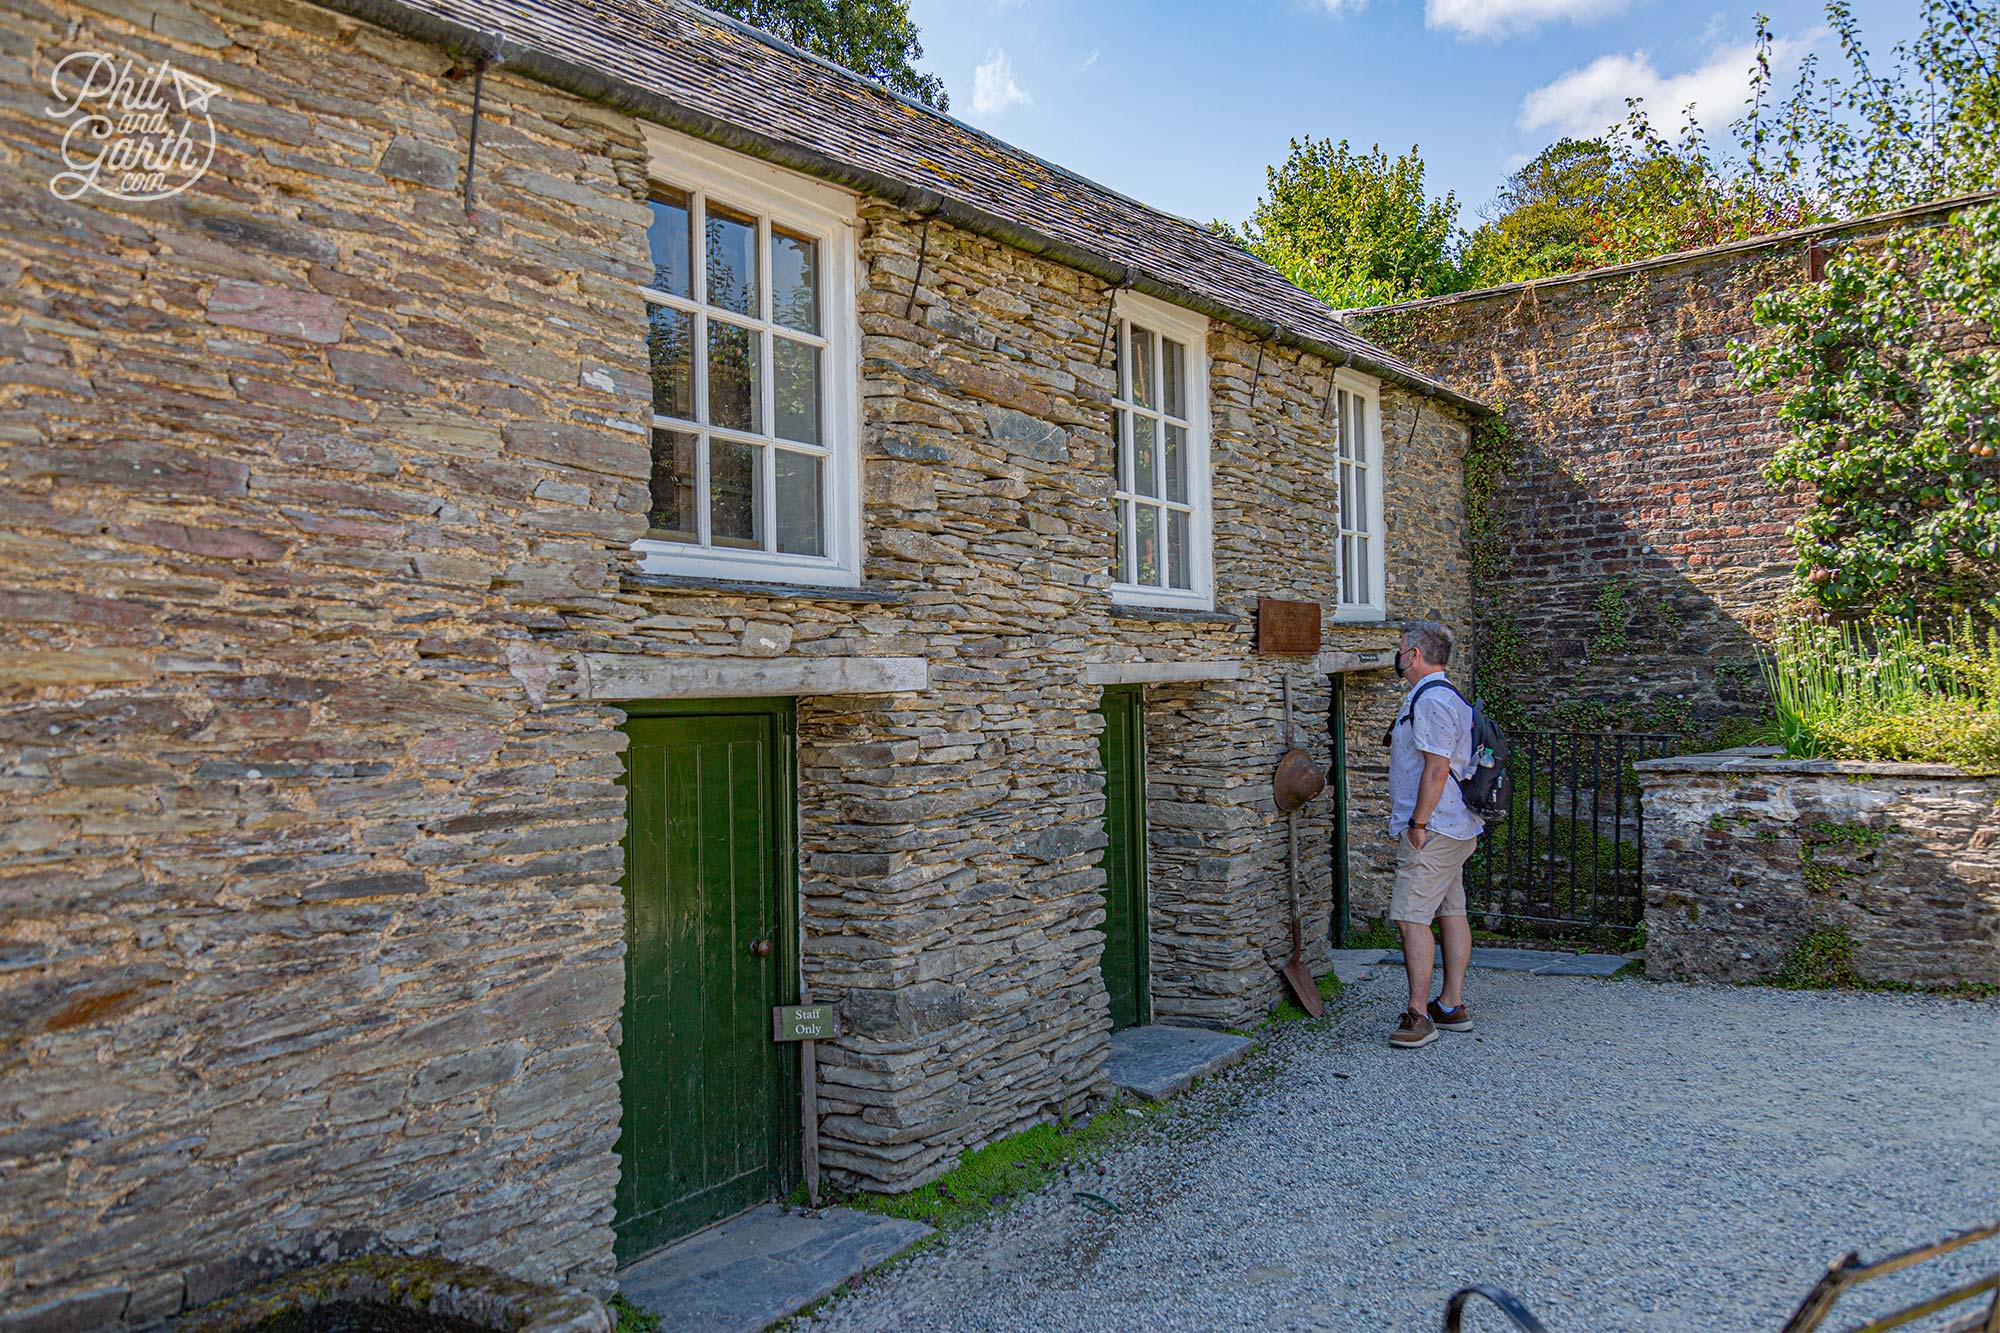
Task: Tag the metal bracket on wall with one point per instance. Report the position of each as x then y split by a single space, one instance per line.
492 56
1257 375
1110 315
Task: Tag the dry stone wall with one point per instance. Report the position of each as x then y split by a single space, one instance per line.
1749 857
316 487
309 927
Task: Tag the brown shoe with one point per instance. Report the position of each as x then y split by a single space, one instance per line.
1415 1030
1451 1020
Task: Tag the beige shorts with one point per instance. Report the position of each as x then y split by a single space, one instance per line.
1430 883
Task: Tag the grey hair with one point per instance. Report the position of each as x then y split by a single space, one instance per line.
1431 639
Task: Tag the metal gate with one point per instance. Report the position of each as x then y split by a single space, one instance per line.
1565 863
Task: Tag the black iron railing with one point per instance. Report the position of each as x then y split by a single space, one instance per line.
1567 859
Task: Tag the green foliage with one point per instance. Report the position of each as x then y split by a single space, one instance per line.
629 1318
1614 617
875 38
1545 215
1354 229
1882 690
1380 933
1018 1164
1820 960
1891 375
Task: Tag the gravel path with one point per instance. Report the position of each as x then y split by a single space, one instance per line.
1625 1156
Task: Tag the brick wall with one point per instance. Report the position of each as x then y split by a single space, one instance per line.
1636 551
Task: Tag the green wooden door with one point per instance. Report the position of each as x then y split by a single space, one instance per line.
1122 748
709 1123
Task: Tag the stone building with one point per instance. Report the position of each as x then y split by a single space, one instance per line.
472 649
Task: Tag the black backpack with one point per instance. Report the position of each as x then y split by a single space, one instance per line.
1489 789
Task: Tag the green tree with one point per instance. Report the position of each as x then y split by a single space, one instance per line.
875 38
1891 374
1543 218
1355 229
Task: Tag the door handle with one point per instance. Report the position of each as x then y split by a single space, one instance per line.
760 948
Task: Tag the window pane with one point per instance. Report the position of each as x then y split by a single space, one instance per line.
1347 569
1341 425
796 401
1177 464
794 281
1118 469
670 346
1145 460
1346 497
1147 542
1362 593
732 260
1124 541
799 504
1359 414
1143 357
1173 371
732 376
1178 540
1360 523
735 497
667 236
672 515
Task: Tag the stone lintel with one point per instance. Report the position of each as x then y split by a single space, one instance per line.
1159 673
614 676
1335 661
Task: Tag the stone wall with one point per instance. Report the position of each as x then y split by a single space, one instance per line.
950 840
309 922
1634 554
315 488
1748 855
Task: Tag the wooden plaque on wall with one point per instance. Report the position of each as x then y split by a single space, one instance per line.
1287 627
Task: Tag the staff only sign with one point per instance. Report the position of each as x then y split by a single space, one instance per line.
134 133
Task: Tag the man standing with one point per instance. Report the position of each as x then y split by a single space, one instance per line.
1430 746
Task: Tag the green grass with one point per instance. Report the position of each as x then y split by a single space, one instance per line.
1018 1164
1378 934
1885 690
629 1318
1289 1009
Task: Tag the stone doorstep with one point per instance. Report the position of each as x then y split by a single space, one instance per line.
1540 962
745 1274
1158 1060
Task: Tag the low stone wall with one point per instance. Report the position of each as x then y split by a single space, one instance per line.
1748 853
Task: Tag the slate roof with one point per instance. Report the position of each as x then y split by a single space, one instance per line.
683 66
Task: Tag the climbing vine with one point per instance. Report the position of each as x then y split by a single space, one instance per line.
1890 369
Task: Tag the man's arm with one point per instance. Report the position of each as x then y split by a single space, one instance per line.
1430 790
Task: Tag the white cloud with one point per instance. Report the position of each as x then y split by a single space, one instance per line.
1587 101
1088 61
1497 18
1342 6
993 86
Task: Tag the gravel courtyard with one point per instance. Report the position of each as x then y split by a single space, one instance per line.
1625 1156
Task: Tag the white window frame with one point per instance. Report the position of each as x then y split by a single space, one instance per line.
827 215
1368 390
1191 330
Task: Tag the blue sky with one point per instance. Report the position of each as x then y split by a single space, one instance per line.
1183 105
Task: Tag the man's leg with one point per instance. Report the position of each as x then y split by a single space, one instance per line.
1417 951
1457 932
